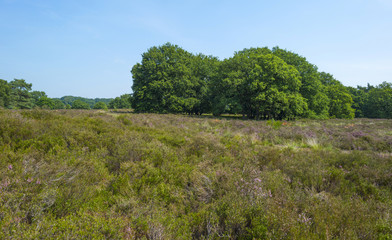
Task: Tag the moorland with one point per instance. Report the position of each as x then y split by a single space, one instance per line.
95 174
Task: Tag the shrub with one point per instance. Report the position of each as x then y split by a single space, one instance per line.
96 174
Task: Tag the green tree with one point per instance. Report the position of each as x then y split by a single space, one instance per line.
312 88
358 95
263 84
91 102
58 104
37 95
100 105
204 68
223 90
4 94
72 99
170 79
45 103
79 104
340 100
104 100
20 94
122 102
378 102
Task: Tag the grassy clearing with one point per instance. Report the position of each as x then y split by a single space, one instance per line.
85 174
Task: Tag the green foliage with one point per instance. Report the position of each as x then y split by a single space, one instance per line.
312 88
122 102
45 103
274 124
91 102
377 102
340 100
172 80
37 95
58 104
358 95
79 104
100 105
4 94
20 97
258 83
263 85
17 94
98 175
372 101
162 83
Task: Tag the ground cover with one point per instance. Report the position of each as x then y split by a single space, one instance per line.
97 174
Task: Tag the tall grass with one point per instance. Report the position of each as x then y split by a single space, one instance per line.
85 174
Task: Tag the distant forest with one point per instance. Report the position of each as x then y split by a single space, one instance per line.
18 94
259 83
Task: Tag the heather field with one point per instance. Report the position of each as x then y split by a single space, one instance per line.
74 174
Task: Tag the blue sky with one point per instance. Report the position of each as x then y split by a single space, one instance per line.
88 47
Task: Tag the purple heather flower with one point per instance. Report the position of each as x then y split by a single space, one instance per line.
257 180
6 183
10 167
304 219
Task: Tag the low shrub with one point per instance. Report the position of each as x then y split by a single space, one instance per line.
77 174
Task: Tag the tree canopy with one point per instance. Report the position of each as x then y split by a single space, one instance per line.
171 80
18 94
90 101
100 105
377 101
263 86
311 88
122 102
4 94
79 104
259 83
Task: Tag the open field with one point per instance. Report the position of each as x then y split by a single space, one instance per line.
93 174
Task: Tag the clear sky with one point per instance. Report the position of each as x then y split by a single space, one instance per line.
88 47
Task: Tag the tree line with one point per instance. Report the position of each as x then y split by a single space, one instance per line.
18 94
259 83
